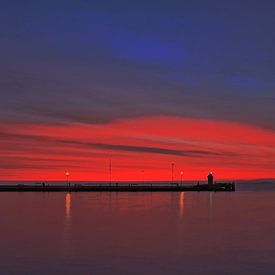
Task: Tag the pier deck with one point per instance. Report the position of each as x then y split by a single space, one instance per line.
219 187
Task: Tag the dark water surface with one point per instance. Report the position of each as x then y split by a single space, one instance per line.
139 233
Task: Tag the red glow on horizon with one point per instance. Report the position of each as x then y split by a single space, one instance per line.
142 148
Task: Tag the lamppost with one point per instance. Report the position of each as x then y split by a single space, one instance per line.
181 173
67 175
110 172
172 166
142 176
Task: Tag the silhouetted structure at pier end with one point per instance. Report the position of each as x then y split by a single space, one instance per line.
210 178
214 186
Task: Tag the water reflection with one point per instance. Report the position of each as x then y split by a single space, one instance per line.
210 205
68 206
67 226
137 233
181 204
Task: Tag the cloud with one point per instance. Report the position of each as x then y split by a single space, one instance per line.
49 141
92 65
142 149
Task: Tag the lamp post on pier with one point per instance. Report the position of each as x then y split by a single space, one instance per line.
181 174
172 168
67 176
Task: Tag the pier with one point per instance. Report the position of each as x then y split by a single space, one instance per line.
216 187
116 187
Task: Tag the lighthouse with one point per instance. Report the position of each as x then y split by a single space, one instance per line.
210 178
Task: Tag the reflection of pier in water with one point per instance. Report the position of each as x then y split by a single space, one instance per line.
67 226
210 206
181 203
188 205
68 206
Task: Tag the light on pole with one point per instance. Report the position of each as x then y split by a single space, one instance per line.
110 172
172 166
67 175
181 173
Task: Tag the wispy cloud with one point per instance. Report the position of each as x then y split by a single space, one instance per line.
113 147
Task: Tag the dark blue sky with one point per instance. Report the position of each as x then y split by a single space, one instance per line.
97 61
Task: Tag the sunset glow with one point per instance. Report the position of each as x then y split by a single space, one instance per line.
142 147
84 84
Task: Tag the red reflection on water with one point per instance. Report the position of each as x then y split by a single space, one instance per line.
68 206
67 246
181 204
122 232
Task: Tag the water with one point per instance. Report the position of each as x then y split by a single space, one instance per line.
139 233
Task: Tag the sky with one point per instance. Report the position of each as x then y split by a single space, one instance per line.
145 84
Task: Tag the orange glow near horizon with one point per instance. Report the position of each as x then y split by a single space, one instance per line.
139 148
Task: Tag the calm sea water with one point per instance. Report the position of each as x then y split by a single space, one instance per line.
139 233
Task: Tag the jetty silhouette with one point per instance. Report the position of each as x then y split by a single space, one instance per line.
211 185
